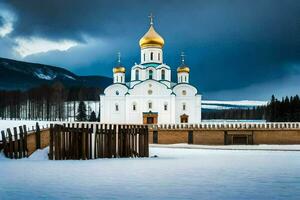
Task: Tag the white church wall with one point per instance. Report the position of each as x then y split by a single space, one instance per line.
146 55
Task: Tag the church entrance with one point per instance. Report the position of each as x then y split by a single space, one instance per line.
184 118
150 117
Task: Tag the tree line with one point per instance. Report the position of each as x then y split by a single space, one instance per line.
285 110
57 102
47 102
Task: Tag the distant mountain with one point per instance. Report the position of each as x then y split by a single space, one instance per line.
208 105
17 75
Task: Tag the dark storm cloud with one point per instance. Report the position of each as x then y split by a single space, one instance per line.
229 44
1 21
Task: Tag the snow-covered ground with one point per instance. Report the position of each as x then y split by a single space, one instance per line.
175 174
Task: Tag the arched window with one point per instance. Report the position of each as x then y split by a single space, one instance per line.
158 56
183 106
150 74
144 57
151 56
137 75
165 106
117 107
121 79
150 105
163 74
134 106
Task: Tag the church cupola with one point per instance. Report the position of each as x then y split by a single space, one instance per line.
183 71
119 71
151 46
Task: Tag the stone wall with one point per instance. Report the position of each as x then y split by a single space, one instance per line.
208 137
276 137
172 137
266 134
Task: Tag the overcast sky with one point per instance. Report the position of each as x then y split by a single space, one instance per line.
236 49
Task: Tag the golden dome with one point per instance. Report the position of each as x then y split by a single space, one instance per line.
119 69
183 68
152 39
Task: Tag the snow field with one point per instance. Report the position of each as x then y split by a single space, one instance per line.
174 174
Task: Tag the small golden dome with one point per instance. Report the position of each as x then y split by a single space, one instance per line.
183 69
152 39
119 69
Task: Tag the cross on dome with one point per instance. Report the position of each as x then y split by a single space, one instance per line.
151 16
119 57
182 57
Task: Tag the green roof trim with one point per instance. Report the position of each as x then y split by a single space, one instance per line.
151 64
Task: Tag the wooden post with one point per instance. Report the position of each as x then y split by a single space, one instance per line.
51 143
10 141
4 143
15 143
21 144
83 143
37 136
25 140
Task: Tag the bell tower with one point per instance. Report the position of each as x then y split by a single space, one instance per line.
151 45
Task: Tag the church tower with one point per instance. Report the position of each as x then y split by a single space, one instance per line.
119 71
183 71
151 46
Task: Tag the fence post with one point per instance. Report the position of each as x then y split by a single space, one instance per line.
25 140
4 143
10 141
37 136
21 144
51 143
15 143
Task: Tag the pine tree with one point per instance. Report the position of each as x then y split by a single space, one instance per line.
93 117
81 114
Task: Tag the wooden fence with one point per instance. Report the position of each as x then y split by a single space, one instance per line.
91 141
15 144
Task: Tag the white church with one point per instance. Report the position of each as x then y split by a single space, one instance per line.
150 97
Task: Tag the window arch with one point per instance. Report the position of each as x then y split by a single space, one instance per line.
165 106
137 75
151 56
163 74
134 106
183 106
150 76
150 105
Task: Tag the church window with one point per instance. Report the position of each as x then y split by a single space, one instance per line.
158 56
150 92
134 107
150 105
150 74
144 57
117 107
121 79
183 106
163 74
166 107
137 75
183 92
151 56
117 92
